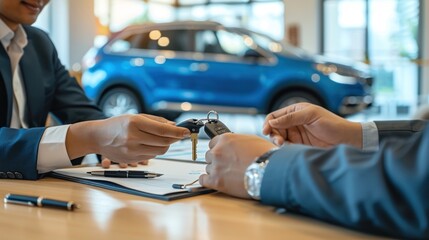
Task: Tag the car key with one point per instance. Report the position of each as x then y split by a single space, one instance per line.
194 126
215 127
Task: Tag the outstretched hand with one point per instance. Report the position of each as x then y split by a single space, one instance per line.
305 123
126 139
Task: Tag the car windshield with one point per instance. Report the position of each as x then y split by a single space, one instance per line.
271 45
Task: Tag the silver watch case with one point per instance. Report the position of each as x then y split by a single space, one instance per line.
253 179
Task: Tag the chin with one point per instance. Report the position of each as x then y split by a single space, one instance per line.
29 20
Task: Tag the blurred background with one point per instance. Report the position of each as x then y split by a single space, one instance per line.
389 36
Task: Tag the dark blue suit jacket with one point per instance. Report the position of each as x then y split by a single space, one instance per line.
49 88
383 192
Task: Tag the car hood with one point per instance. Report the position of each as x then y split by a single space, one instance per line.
342 62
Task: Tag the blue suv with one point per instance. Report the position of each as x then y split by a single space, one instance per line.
171 68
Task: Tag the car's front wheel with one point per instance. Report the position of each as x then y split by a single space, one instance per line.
120 101
290 98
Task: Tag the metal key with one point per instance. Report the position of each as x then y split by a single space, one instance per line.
215 127
194 126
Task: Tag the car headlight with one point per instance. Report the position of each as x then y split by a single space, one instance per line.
342 79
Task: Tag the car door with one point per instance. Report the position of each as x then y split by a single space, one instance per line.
226 74
159 59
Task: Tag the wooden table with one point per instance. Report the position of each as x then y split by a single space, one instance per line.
106 214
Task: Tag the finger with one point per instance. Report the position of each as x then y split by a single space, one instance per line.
277 140
266 128
216 139
205 181
213 142
133 164
208 168
156 128
144 162
105 163
208 157
123 165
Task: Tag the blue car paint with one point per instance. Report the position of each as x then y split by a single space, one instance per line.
243 83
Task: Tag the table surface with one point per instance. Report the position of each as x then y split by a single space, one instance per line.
106 214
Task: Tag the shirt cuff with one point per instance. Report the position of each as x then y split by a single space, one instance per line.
370 140
52 150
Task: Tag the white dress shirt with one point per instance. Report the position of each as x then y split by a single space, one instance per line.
52 152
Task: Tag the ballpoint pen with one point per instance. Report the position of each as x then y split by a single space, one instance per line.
39 201
125 174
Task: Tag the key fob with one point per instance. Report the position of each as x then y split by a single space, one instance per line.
192 124
214 128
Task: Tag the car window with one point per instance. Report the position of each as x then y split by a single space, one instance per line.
232 43
206 41
175 40
274 46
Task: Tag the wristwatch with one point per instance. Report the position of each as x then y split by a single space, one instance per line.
254 173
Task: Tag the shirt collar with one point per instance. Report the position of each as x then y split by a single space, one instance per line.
6 35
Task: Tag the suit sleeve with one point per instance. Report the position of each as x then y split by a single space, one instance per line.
383 192
403 129
18 152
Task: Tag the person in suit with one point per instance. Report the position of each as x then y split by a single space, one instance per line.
34 83
372 177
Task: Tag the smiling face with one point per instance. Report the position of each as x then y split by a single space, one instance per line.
15 12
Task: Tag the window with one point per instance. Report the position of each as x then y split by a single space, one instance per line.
206 41
232 43
384 34
174 40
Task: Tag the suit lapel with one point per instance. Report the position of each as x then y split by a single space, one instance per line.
34 88
6 81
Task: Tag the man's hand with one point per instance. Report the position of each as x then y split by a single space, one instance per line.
309 124
126 139
227 160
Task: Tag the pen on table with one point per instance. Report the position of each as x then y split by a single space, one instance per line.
39 201
125 174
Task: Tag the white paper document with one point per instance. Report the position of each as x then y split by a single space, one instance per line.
174 172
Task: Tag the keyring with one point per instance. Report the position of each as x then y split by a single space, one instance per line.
212 112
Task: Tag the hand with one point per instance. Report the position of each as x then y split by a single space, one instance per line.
124 139
227 160
309 124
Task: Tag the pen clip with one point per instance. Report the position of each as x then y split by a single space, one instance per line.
19 202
